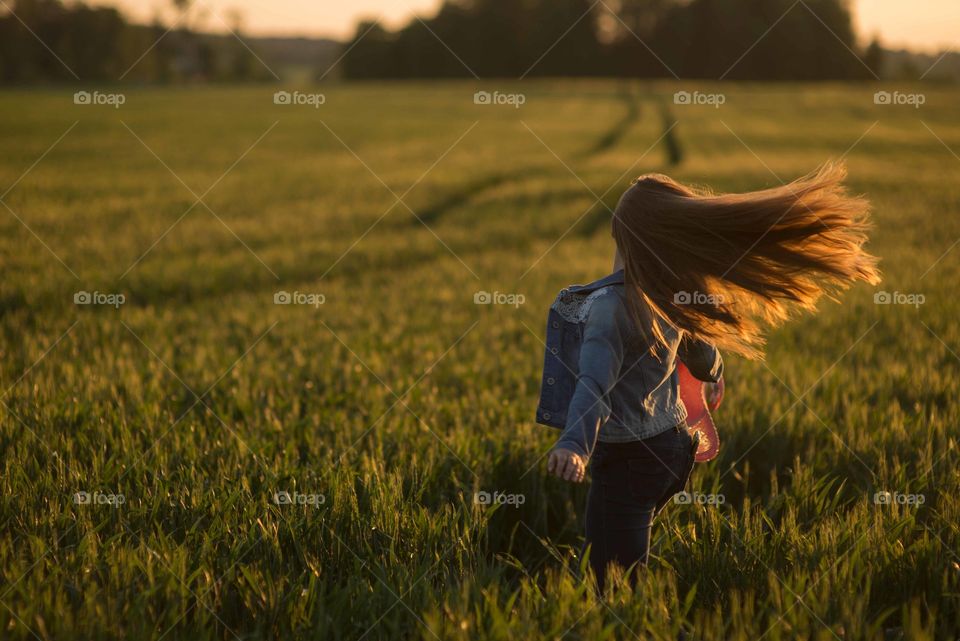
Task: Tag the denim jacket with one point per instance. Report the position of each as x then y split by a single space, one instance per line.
600 381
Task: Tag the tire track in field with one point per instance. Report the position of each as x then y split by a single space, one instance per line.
600 214
411 258
159 291
609 139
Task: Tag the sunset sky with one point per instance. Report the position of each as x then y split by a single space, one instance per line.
927 25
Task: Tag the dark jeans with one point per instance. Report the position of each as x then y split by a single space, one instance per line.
631 483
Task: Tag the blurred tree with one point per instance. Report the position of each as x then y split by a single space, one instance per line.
492 38
564 41
493 34
368 53
97 44
87 42
421 47
873 57
92 40
760 40
240 63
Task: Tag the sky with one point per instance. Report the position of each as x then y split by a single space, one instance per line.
922 25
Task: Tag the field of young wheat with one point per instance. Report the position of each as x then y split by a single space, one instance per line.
270 364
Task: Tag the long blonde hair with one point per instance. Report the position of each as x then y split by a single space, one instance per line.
723 267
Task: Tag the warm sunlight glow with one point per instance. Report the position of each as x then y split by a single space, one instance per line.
927 25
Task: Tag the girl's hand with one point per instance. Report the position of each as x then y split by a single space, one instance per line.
567 465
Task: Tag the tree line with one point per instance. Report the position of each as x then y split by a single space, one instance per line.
49 41
55 40
735 39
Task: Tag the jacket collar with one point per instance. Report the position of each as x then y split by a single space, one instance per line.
616 278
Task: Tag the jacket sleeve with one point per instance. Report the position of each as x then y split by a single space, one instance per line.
701 358
601 356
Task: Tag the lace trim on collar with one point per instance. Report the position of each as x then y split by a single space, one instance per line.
575 307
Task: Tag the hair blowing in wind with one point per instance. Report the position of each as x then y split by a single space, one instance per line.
724 267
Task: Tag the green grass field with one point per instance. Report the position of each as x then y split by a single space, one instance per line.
383 410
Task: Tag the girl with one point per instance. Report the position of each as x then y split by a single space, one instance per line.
693 273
